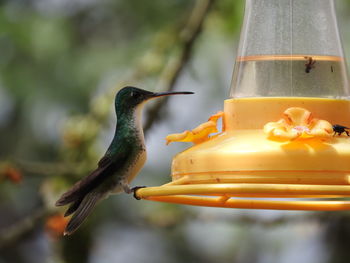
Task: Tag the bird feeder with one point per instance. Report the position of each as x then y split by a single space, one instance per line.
278 147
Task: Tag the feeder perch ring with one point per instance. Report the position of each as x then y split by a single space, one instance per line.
249 195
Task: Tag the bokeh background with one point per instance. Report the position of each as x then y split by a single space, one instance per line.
61 63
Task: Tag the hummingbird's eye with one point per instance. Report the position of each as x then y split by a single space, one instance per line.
135 95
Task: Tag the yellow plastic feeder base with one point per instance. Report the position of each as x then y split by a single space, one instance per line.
272 153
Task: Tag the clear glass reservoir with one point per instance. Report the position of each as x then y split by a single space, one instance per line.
290 48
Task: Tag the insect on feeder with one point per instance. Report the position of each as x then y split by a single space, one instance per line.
283 142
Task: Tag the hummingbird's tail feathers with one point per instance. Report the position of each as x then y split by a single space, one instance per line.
73 207
84 209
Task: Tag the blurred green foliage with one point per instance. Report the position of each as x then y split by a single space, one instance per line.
61 62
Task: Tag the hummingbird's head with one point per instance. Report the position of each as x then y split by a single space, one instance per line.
130 97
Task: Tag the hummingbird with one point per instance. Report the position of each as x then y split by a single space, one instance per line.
120 164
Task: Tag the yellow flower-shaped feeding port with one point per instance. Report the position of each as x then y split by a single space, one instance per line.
199 134
298 123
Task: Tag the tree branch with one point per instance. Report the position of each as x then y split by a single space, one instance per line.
24 226
175 66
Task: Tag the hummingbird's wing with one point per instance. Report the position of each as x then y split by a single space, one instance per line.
79 190
85 194
106 166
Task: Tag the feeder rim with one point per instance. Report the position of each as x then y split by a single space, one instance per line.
230 195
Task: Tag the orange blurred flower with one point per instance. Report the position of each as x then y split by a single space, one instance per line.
13 174
55 225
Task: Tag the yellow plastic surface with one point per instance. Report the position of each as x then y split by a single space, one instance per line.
242 163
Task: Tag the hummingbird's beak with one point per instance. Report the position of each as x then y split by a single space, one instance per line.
161 94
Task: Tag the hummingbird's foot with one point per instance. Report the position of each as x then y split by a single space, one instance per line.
134 190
